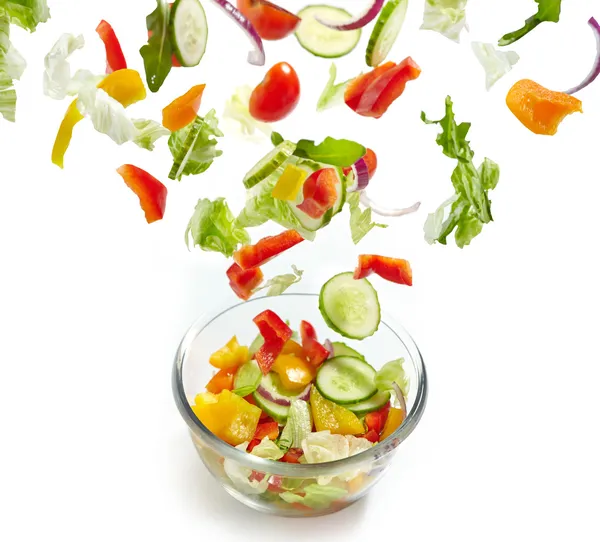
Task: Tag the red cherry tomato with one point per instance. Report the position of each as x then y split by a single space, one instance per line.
277 95
270 21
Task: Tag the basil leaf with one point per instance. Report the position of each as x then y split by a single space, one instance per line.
247 379
276 138
158 52
336 152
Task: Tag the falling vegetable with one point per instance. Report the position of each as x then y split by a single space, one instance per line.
391 269
595 72
548 10
115 59
151 192
158 51
270 21
183 110
495 63
358 21
446 17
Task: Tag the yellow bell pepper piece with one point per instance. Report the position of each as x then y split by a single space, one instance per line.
228 416
394 420
290 183
125 86
294 373
335 418
232 355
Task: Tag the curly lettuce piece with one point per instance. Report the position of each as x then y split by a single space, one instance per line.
332 94
361 222
280 283
446 17
237 109
267 449
393 371
316 496
25 13
495 63
148 132
12 66
241 476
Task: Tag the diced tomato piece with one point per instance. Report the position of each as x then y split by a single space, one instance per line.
387 88
315 352
223 380
270 21
320 193
256 476
293 455
276 483
357 87
375 421
268 429
253 443
250 256
392 269
276 333
243 282
371 436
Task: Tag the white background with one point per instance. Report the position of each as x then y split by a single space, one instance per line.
93 301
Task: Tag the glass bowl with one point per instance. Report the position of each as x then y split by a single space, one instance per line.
266 485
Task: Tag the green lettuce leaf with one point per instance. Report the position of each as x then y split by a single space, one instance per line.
280 283
298 426
316 496
58 82
548 11
336 152
469 209
158 52
495 63
446 17
213 228
393 371
247 378
240 476
267 449
12 66
25 13
237 109
148 132
360 221
332 94
194 147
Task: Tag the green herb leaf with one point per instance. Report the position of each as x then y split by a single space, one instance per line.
276 139
332 94
280 283
158 52
247 379
360 221
548 11
336 152
194 147
213 228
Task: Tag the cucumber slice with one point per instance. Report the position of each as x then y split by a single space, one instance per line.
342 349
350 307
346 380
271 383
321 40
269 163
278 412
385 32
181 160
378 401
189 31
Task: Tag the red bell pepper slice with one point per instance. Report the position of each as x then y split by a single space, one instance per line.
250 256
375 421
293 455
152 193
357 87
392 269
268 429
243 283
253 443
276 333
115 59
314 351
320 193
372 436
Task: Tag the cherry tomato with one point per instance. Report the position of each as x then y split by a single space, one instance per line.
277 95
270 21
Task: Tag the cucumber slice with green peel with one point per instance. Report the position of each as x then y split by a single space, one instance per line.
278 412
377 402
342 349
189 31
321 40
346 380
385 32
269 163
271 384
350 307
182 159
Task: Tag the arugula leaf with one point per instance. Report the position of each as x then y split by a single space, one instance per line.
470 208
495 63
194 147
446 17
336 152
148 132
213 228
158 52
279 284
25 13
316 496
548 10
276 139
332 94
360 221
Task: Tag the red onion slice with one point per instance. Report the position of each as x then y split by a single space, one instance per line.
256 57
400 397
356 22
384 211
361 172
281 400
329 346
596 68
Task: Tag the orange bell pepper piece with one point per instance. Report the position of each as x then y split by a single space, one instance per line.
223 380
183 110
394 420
294 373
392 269
152 193
231 356
539 109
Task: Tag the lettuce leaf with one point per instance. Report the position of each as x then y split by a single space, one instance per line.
213 228
336 152
393 371
12 66
148 132
280 283
360 221
298 426
25 13
240 475
332 94
237 109
446 17
470 208
267 449
316 496
495 63
548 10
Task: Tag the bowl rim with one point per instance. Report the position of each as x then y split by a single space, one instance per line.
312 470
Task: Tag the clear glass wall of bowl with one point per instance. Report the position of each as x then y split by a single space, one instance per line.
283 488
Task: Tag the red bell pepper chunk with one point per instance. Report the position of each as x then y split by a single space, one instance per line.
372 436
293 455
392 269
253 443
115 59
276 483
314 351
276 333
268 429
357 87
243 282
375 421
320 193
256 476
152 193
250 256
